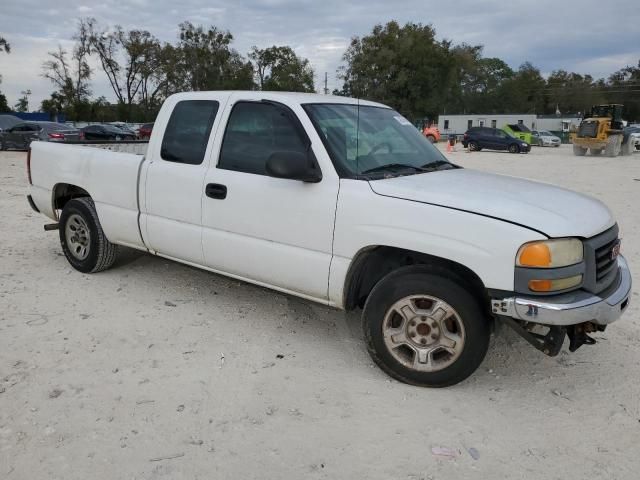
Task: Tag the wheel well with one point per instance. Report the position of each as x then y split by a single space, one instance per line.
372 263
63 192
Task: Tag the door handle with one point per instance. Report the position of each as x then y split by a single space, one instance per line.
215 190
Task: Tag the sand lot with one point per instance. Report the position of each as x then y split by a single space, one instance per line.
155 370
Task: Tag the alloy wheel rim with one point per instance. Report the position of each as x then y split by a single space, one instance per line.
423 333
78 237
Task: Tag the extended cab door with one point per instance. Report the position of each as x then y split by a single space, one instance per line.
171 203
271 231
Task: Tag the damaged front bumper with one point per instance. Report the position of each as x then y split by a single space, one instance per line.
575 313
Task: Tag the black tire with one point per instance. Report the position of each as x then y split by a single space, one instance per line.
513 148
614 144
100 252
473 146
595 151
439 284
579 151
431 138
540 143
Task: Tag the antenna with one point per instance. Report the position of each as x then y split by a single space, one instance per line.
326 89
358 138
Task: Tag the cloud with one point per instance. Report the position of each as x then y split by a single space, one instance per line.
552 35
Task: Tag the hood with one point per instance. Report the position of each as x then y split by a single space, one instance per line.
552 210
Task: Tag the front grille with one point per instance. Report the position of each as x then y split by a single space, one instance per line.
588 129
604 262
601 267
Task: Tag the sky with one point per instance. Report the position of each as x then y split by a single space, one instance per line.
585 36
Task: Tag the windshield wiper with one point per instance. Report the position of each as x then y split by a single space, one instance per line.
437 165
393 166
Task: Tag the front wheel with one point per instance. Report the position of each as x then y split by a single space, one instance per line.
513 148
423 327
82 238
579 151
431 138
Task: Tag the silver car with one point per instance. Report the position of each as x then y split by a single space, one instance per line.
22 134
544 138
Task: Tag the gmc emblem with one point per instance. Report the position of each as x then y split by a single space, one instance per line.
615 251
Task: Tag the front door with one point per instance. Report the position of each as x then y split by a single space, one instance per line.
271 231
171 210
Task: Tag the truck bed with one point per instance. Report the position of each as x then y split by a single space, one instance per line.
110 176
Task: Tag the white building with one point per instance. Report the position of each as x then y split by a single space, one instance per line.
458 124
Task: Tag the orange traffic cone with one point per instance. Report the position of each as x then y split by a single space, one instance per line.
449 147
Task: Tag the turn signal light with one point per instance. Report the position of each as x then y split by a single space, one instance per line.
555 285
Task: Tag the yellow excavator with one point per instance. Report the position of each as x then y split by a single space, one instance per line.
600 131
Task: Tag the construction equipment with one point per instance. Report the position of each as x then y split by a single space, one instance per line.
600 131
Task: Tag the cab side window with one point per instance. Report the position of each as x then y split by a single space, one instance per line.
187 133
254 132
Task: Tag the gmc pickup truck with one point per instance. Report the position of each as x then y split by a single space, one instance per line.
343 202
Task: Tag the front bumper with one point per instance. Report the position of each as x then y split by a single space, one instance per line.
571 308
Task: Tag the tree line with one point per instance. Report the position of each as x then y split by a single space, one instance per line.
406 67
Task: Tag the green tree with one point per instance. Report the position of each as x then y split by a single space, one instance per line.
623 87
524 92
4 106
279 68
125 57
23 102
572 92
207 61
4 45
405 67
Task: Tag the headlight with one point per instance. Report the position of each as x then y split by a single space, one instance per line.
550 253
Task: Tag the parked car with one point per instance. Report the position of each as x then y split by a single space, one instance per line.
125 128
544 138
22 134
477 138
144 132
8 121
105 132
266 187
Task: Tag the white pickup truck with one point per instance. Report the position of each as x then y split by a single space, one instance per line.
343 202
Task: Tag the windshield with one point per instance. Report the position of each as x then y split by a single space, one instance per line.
373 141
546 133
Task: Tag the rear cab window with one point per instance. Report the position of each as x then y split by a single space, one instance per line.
188 130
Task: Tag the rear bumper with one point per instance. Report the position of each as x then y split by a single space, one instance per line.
571 308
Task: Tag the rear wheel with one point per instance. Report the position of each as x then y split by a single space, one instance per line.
595 151
513 148
82 238
423 327
473 146
579 151
431 138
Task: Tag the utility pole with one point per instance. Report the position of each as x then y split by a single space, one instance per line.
326 88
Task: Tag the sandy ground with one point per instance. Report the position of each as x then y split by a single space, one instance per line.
157 370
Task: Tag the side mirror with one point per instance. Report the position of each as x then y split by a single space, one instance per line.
294 166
